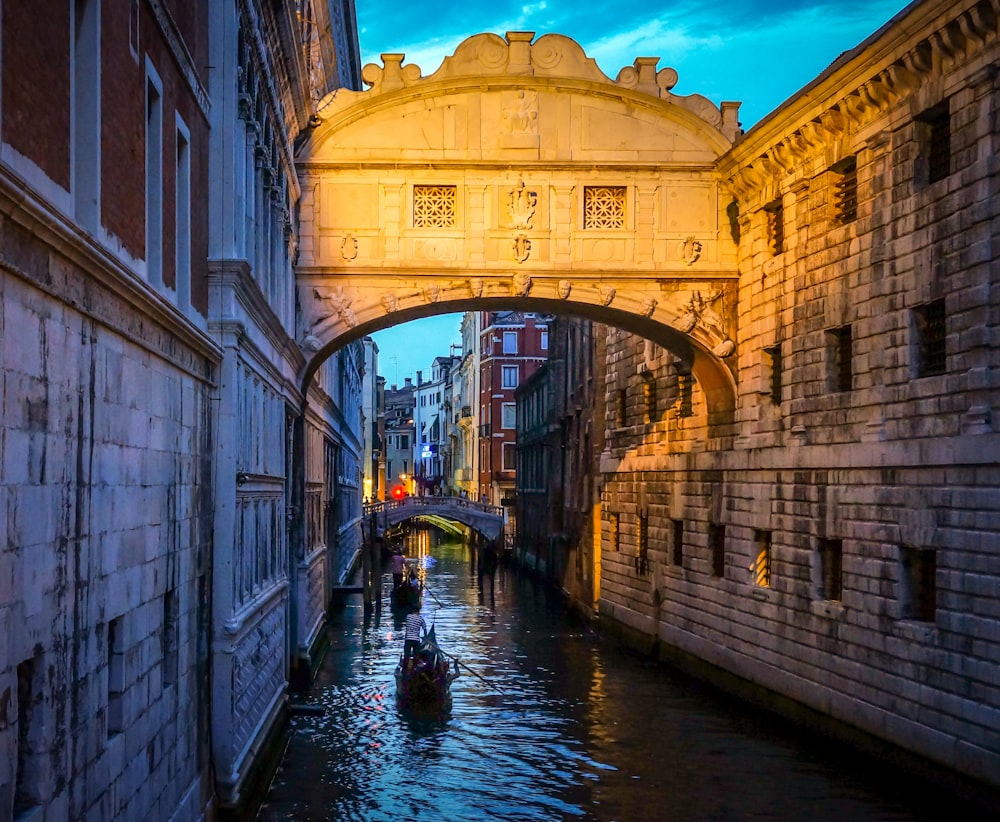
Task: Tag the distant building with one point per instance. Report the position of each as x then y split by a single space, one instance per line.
512 345
399 428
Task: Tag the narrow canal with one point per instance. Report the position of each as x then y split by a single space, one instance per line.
550 721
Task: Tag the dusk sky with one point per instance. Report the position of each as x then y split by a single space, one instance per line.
757 53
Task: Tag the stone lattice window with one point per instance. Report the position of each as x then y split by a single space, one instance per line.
434 206
831 558
931 328
604 207
845 191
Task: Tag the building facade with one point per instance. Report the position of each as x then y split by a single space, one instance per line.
431 410
512 345
152 421
399 438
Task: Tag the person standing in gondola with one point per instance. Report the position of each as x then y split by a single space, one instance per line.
416 628
398 567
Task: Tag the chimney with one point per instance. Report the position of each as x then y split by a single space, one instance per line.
420 378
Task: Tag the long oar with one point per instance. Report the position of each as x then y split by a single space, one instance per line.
429 591
471 671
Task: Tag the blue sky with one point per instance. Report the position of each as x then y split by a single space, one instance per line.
759 52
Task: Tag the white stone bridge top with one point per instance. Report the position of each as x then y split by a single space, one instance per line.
482 517
520 176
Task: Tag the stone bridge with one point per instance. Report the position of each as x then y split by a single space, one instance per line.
519 176
486 519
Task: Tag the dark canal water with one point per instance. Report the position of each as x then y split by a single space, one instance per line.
563 725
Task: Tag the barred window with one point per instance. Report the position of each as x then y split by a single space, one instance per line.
613 534
845 191
717 543
604 207
934 135
642 545
685 394
919 583
773 353
621 407
649 398
434 206
931 329
841 364
775 214
677 528
761 567
831 557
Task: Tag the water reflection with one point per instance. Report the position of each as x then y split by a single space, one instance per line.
548 723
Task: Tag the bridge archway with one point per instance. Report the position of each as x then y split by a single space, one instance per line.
519 176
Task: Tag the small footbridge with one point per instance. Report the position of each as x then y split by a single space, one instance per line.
481 517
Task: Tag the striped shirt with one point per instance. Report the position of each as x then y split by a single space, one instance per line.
414 625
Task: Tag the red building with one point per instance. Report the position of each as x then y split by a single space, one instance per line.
512 346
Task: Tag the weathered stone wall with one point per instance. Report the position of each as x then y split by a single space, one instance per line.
887 461
105 508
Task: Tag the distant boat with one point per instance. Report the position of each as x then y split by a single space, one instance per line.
406 597
423 682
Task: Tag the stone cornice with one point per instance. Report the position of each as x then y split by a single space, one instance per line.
118 283
916 45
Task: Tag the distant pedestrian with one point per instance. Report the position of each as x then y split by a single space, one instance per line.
416 628
398 567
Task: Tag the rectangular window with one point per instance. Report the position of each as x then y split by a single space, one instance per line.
931 331
845 191
774 213
404 441
604 207
919 584
509 456
677 543
621 407
545 341
154 178
613 534
685 392
762 559
649 398
509 342
116 677
831 558
773 355
182 243
642 545
434 206
508 376
86 156
934 136
133 27
168 639
508 415
717 545
840 359
31 754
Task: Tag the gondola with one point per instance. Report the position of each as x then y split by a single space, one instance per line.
406 597
423 682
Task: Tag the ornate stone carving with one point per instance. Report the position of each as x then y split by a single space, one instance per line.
563 289
697 311
349 247
389 303
476 287
522 247
521 206
521 116
607 294
520 285
432 294
689 250
648 307
332 303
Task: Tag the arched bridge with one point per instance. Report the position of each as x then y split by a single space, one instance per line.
486 519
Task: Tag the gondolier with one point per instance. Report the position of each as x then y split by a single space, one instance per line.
416 628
